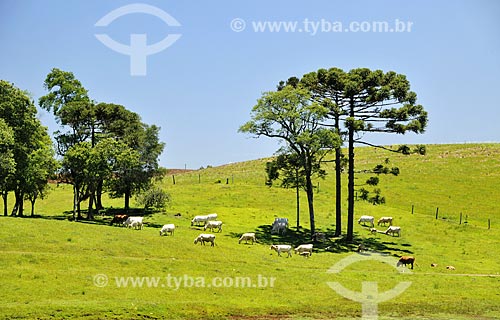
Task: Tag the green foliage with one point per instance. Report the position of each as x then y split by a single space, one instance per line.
154 198
372 181
367 101
96 123
27 156
289 115
63 89
7 161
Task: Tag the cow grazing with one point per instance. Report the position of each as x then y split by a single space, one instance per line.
393 230
450 267
118 218
369 219
304 248
204 237
404 260
279 248
213 224
134 222
247 237
168 228
199 219
385 220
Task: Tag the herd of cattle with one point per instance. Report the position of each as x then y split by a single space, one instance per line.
393 230
280 226
210 222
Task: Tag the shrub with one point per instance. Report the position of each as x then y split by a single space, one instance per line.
154 198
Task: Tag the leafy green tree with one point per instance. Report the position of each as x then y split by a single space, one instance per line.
74 169
91 122
7 161
128 176
288 115
41 166
362 101
326 88
19 113
376 102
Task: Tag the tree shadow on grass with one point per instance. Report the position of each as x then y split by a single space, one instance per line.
104 217
330 243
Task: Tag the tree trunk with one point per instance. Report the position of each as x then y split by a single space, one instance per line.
14 209
98 200
18 208
297 191
90 212
350 184
310 198
5 197
75 201
21 205
127 200
79 209
33 206
338 183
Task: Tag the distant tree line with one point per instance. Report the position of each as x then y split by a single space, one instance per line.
103 147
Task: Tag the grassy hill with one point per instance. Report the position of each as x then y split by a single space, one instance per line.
54 268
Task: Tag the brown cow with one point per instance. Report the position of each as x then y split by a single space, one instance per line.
404 260
119 218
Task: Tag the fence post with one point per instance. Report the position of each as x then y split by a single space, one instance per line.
173 179
489 224
412 208
199 177
437 212
460 218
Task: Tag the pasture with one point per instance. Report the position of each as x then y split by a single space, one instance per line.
52 268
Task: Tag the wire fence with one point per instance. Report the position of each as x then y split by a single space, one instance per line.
454 216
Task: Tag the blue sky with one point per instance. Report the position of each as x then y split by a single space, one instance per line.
202 88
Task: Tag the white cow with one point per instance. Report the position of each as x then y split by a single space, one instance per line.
168 228
304 248
385 220
205 237
199 219
393 230
134 222
279 225
216 224
369 219
279 248
212 216
247 236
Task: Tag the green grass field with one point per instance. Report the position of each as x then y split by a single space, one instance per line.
52 268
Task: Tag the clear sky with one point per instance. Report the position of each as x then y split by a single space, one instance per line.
202 87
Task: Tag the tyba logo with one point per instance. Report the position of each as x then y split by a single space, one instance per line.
138 49
369 297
